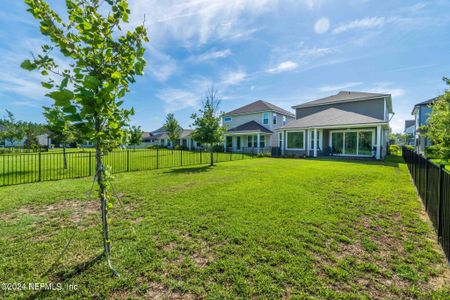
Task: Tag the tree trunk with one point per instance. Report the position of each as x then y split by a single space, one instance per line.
100 172
64 157
212 155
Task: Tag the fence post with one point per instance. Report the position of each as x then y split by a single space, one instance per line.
128 160
157 158
441 200
90 163
40 166
181 156
201 161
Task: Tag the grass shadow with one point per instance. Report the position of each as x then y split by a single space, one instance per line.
390 160
62 276
179 170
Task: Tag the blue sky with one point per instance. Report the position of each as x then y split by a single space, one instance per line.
285 52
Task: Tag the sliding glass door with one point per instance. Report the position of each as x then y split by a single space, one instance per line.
352 142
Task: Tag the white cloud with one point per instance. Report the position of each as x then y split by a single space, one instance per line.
211 55
337 87
25 86
322 25
160 65
315 52
178 99
232 78
373 22
193 23
283 67
386 88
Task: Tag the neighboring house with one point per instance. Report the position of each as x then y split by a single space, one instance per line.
410 131
252 127
43 140
421 112
346 124
159 137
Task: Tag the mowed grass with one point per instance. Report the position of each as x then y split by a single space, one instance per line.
259 228
33 167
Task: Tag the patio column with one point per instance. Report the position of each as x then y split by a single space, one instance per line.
378 151
308 142
258 140
315 142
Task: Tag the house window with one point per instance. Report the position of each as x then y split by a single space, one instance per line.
227 119
162 142
262 141
274 118
284 120
249 141
280 139
296 140
229 142
265 118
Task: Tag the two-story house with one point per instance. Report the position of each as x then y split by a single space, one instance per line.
252 127
421 112
346 124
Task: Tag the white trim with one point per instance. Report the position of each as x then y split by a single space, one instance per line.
378 151
320 135
304 141
335 126
330 141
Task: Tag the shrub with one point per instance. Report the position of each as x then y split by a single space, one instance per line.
394 149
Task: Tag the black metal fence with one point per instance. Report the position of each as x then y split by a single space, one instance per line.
433 185
44 166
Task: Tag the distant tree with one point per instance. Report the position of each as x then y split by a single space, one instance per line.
14 130
399 138
173 129
61 129
135 136
438 128
31 140
104 61
207 122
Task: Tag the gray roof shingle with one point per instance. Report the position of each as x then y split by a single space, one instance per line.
342 96
259 106
331 117
251 126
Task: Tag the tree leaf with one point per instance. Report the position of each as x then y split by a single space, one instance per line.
116 75
28 65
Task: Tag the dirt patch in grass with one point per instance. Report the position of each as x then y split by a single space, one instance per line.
76 209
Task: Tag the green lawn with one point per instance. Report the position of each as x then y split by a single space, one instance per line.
258 228
24 168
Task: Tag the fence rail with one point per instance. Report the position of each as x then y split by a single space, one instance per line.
433 185
46 166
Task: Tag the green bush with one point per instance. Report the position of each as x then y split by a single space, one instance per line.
394 149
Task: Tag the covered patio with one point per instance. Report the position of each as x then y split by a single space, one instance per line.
248 137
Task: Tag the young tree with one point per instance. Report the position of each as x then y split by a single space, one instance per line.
104 61
173 129
207 123
13 130
135 136
61 130
438 128
31 141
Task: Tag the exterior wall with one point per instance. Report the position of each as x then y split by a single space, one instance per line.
373 108
421 116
